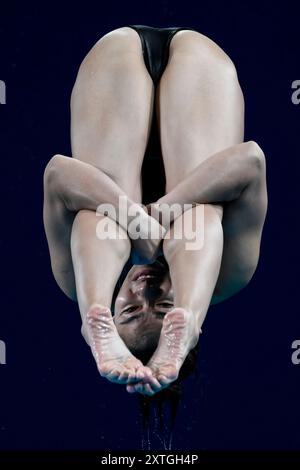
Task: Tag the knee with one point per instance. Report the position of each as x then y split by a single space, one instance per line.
213 213
84 218
205 220
84 224
90 227
192 221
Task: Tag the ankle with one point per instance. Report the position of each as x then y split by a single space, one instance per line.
194 329
97 306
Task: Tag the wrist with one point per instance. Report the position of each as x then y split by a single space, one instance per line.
165 212
124 211
137 219
142 225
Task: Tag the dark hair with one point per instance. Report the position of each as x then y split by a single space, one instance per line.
158 412
128 265
163 405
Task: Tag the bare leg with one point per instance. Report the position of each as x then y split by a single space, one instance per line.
200 104
111 109
200 109
194 274
97 266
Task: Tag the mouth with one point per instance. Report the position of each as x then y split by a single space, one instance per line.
146 274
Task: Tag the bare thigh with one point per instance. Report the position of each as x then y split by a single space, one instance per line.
200 105
111 109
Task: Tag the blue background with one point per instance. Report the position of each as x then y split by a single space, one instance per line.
246 395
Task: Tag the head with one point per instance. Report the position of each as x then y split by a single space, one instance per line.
142 301
144 298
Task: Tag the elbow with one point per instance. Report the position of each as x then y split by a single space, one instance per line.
239 281
255 155
253 161
53 172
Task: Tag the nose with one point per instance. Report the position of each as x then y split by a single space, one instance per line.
152 293
149 292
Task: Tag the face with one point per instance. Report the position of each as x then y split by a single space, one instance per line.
145 297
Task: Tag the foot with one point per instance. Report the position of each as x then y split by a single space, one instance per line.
113 359
178 336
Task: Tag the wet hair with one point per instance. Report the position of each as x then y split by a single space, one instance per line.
158 412
128 265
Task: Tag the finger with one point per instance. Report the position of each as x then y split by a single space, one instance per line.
155 384
147 390
130 388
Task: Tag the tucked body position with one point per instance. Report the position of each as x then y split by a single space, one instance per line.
143 300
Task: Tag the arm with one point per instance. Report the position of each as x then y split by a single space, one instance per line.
81 186
236 178
71 185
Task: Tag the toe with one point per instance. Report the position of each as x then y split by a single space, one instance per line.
123 377
148 390
114 375
140 374
148 373
154 383
139 387
163 380
133 378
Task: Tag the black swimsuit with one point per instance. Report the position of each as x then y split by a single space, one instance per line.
155 45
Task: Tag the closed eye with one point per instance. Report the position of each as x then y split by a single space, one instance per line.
130 309
129 318
133 308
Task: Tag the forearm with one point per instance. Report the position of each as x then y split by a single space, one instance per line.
58 225
220 178
82 186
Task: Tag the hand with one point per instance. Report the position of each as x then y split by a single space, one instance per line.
146 235
154 210
161 213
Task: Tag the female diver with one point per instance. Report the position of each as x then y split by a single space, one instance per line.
142 335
